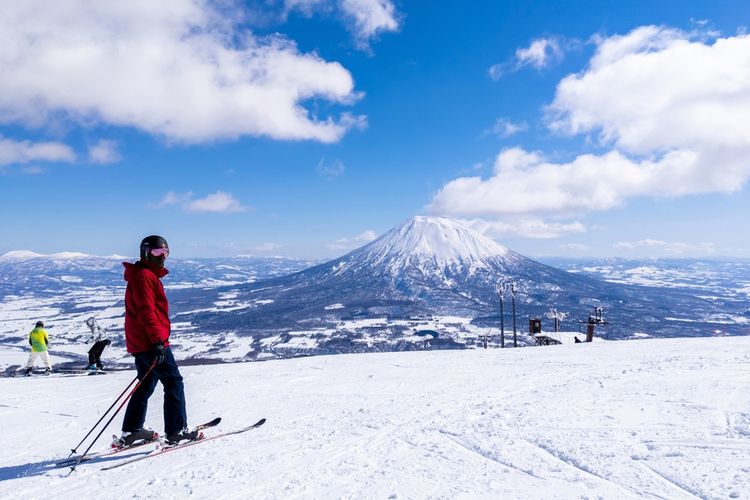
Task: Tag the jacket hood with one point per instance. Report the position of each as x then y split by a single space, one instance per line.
132 268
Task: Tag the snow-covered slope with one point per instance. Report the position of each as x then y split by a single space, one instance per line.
640 419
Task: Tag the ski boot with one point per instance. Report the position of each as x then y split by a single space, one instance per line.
184 435
131 438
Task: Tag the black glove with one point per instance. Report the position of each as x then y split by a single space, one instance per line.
159 352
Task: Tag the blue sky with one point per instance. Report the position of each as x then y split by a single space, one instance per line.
307 127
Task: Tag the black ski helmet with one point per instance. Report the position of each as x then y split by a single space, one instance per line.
150 242
40 324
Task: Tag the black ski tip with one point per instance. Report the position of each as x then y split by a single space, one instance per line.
214 422
260 422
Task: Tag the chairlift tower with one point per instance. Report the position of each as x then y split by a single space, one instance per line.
557 317
500 291
595 319
513 299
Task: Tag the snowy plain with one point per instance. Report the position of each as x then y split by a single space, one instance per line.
636 419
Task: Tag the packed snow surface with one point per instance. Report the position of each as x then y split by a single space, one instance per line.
637 419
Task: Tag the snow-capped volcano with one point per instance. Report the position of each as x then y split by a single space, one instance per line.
424 266
429 256
438 238
429 267
431 242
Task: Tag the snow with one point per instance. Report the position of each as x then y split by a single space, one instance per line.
71 279
69 256
20 255
27 255
439 240
642 418
565 337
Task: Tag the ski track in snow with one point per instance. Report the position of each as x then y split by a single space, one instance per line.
638 419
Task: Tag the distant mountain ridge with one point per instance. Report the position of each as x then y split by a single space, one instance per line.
25 272
425 264
437 266
428 274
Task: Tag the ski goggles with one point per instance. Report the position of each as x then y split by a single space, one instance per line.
158 252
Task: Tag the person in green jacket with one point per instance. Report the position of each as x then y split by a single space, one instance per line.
39 341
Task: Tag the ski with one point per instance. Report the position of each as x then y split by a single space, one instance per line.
79 459
168 448
60 373
71 461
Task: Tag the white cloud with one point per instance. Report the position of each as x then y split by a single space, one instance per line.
497 71
172 198
366 236
366 18
219 201
15 152
525 183
104 152
671 107
666 247
305 6
504 127
330 169
371 17
655 90
268 247
526 227
350 243
575 247
180 69
539 54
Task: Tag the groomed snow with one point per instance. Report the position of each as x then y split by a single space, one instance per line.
636 419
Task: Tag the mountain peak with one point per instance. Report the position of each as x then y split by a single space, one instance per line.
27 255
438 240
20 255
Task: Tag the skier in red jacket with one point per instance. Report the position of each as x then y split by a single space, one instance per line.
147 329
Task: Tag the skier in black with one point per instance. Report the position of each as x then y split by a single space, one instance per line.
95 354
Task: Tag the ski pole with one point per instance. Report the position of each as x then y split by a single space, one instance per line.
112 417
75 450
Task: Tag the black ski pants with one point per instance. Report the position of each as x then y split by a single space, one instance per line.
95 353
175 415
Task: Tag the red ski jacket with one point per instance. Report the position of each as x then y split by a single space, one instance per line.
146 307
